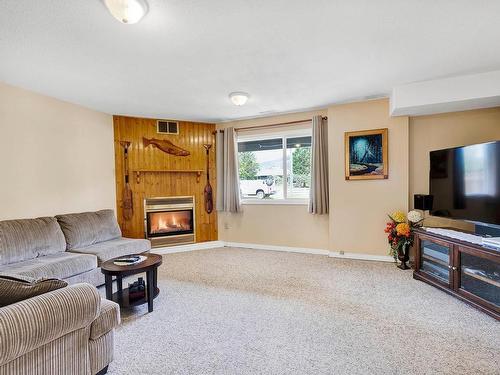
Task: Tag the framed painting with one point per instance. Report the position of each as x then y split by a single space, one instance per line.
366 155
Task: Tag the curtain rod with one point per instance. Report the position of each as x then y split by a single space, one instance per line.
272 125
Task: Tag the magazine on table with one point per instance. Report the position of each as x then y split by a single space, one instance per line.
129 260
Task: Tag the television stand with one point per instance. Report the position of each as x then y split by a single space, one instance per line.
466 270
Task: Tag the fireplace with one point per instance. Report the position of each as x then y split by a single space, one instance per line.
169 221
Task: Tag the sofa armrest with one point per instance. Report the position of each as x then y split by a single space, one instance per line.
109 318
34 322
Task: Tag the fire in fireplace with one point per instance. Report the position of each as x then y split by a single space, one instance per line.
169 221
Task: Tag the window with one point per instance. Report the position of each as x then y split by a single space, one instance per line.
275 167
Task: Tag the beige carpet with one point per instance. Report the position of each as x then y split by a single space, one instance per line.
238 311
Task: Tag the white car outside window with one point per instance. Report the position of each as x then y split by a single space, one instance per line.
259 188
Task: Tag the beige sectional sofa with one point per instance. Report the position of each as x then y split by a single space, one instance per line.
68 330
69 247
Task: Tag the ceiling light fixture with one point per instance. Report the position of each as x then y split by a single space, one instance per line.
239 98
127 11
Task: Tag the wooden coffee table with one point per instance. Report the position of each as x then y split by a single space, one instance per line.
149 266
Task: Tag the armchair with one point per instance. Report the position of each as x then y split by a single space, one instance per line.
66 331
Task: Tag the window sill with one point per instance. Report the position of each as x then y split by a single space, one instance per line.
290 202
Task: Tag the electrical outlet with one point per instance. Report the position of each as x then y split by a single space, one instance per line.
341 252
226 226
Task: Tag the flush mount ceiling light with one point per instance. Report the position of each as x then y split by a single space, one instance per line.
127 11
239 98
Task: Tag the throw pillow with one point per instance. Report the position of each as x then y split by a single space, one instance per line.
15 288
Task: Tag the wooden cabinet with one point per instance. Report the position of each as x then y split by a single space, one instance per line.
467 271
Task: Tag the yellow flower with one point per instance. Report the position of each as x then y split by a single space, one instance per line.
403 229
399 217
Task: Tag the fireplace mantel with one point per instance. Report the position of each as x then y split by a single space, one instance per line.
138 172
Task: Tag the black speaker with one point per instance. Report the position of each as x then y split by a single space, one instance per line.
423 202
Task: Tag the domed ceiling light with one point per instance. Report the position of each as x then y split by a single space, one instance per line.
239 98
127 11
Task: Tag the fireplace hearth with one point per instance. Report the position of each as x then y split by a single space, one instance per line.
169 221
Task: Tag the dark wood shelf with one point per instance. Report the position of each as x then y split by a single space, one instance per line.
435 260
449 241
464 296
127 303
436 275
485 279
486 302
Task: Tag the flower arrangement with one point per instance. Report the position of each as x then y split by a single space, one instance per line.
400 230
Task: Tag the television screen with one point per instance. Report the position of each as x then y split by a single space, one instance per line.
465 182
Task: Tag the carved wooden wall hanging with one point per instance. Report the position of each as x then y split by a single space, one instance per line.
166 146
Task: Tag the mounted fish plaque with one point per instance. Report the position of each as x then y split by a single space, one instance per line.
165 146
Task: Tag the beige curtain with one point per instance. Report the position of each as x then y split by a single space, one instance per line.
228 188
318 196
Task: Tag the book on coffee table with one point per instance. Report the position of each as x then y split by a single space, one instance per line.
129 260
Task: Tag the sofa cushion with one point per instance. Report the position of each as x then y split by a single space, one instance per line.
60 265
88 228
109 318
115 248
29 238
18 288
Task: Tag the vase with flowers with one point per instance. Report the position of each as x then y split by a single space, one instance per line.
400 234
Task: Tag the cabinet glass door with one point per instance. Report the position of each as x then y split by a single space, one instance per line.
435 260
480 277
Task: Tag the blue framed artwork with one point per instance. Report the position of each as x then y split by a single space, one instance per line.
366 155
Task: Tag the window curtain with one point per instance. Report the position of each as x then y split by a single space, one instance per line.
228 190
318 196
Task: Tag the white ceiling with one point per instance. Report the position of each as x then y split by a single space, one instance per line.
184 58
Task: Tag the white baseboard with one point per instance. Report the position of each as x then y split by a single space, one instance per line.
190 247
289 249
302 250
360 256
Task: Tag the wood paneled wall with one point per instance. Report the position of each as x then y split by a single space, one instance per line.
191 137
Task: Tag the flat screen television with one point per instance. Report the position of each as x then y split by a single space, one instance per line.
465 183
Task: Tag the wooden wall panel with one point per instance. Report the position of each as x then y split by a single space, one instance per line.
191 137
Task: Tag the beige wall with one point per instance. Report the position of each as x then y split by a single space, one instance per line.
279 225
55 157
358 209
446 130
